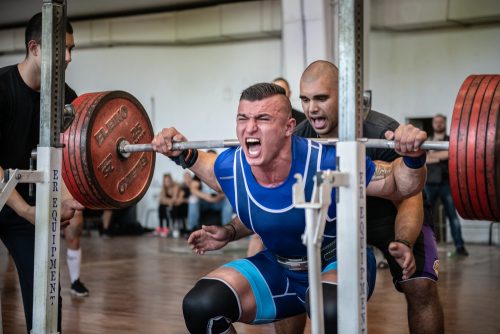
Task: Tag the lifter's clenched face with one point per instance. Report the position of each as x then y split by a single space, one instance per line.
263 127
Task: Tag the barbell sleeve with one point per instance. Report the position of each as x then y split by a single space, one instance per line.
125 148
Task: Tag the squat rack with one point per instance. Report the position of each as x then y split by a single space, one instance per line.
351 203
48 173
49 160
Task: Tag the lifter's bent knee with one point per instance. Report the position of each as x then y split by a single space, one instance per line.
292 325
210 307
329 306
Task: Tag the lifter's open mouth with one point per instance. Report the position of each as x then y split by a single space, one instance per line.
253 146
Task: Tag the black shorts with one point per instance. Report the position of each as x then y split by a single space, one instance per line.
381 233
18 235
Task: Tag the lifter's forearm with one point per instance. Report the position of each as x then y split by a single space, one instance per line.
409 218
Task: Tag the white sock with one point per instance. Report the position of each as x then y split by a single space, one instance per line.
74 259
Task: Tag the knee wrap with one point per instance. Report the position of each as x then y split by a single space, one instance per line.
210 307
329 306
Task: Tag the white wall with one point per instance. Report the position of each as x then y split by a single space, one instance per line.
418 74
196 89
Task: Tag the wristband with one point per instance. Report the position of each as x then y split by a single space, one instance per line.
415 162
186 159
234 231
404 242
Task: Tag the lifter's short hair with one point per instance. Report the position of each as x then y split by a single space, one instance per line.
261 91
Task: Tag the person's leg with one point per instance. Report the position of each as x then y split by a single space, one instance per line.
19 238
381 234
169 222
251 291
72 234
329 285
425 314
106 221
432 193
182 215
175 217
226 211
18 235
193 216
211 306
451 213
162 216
292 325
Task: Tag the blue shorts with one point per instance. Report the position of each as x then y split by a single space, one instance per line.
280 292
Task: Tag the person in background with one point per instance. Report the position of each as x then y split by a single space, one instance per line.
283 83
168 198
19 134
205 198
438 183
72 235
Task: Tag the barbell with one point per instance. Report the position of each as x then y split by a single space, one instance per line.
108 159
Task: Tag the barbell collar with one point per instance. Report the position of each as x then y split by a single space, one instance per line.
125 148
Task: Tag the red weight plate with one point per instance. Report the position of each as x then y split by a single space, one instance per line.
99 177
122 181
461 157
74 179
454 145
80 156
481 177
66 169
471 148
492 155
81 160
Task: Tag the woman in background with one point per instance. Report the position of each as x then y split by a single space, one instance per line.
168 198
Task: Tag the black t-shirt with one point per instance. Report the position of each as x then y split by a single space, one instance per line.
20 122
374 126
438 173
299 116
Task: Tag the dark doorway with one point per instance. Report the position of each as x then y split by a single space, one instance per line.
424 123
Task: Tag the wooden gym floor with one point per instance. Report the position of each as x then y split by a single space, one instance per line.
137 284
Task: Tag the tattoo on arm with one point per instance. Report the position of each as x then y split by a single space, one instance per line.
382 170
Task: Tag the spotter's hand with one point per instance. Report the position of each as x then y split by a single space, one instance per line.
407 140
404 257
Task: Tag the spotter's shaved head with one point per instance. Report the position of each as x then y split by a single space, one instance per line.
321 69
